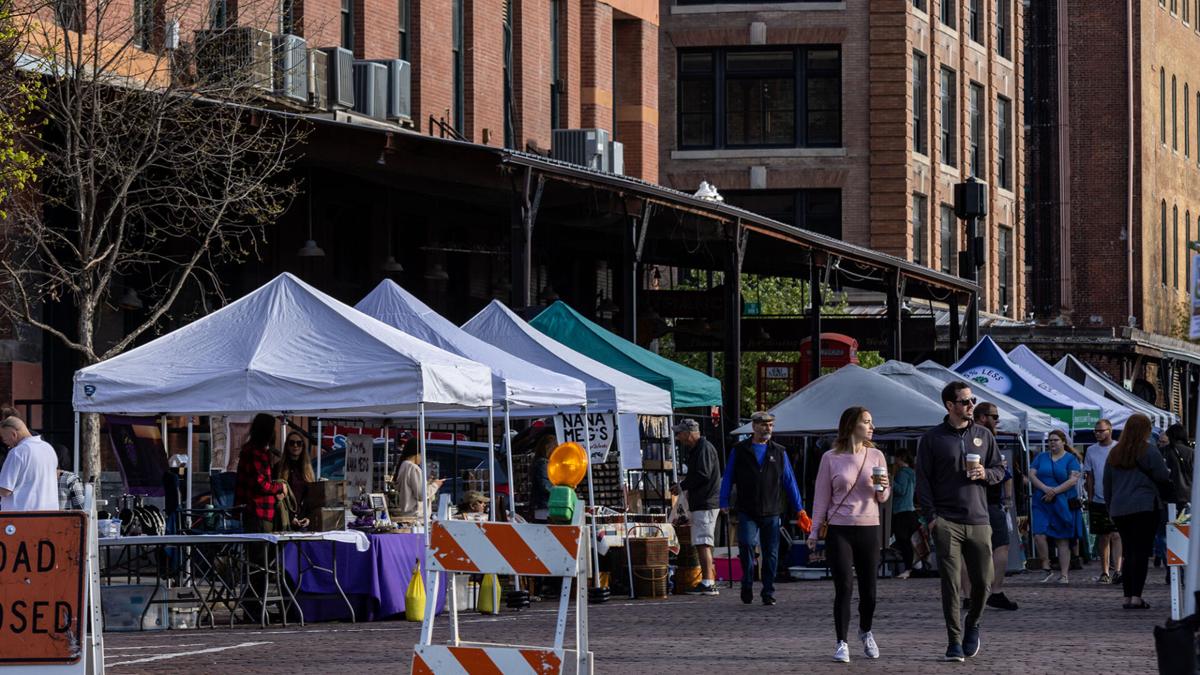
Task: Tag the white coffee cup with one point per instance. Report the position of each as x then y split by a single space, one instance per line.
972 461
877 473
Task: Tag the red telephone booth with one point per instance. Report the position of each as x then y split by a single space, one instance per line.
837 350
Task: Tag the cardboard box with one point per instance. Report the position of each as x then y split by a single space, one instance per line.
326 518
327 493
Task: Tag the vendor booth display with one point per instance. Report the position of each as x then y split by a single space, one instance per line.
1114 412
988 365
1098 382
289 349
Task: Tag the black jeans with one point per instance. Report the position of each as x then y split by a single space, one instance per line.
1137 539
849 548
904 525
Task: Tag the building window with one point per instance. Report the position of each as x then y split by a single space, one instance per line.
947 13
1186 17
1187 130
1174 6
1175 246
920 4
348 24
287 17
1162 104
459 83
978 149
405 18
946 235
1164 255
1003 11
920 219
920 105
143 23
739 98
949 121
1005 277
1174 119
1004 134
975 21
555 65
69 14
1187 250
814 210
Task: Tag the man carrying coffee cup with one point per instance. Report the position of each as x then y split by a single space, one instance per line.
956 461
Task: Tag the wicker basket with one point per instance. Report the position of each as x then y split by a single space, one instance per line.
647 551
650 581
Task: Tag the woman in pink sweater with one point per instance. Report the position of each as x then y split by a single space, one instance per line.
848 498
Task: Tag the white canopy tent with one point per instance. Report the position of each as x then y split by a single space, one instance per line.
516 384
1037 423
1111 410
897 410
285 348
1012 422
1098 382
608 390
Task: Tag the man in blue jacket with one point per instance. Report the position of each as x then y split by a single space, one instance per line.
759 469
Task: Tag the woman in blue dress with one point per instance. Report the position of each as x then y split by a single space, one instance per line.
1055 475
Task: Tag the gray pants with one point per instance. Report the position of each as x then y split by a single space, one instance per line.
958 544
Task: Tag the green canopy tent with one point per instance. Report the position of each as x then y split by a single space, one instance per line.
689 388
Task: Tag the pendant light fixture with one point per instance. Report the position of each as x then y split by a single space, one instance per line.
310 248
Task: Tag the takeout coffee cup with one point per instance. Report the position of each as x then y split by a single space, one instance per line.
972 461
877 473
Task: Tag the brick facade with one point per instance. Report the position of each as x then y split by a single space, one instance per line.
875 167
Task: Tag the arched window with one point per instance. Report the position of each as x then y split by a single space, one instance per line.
1187 250
1175 246
1174 118
1187 134
1164 242
1162 104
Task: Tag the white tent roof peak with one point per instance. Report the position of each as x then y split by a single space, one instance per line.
285 347
519 383
607 388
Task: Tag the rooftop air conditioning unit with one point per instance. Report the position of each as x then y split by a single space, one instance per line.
371 89
341 77
616 158
399 88
291 67
234 58
318 79
585 147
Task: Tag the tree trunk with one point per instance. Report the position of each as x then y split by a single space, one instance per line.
89 431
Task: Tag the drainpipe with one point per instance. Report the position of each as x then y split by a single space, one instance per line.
1064 163
1132 320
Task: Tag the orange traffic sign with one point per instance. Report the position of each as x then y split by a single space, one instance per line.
42 562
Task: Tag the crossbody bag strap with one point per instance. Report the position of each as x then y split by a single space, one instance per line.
847 495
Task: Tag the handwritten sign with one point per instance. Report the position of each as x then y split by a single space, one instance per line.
42 562
570 429
360 461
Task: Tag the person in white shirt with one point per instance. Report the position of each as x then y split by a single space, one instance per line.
1107 537
29 477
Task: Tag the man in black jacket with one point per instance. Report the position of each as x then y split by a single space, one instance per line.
760 470
952 493
703 486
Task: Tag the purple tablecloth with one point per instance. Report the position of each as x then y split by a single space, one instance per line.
375 580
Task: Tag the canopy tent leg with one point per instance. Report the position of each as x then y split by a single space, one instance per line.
591 500
625 488
491 463
163 430
512 502
674 450
424 472
319 448
77 429
191 460
387 436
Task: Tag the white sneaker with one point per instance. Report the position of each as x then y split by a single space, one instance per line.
842 653
869 647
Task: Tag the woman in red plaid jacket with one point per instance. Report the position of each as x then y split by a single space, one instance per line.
255 489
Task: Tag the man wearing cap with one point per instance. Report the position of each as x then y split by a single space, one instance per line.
703 486
759 469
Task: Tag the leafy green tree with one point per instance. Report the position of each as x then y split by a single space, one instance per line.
20 95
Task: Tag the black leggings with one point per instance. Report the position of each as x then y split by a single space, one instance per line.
1137 542
851 547
904 525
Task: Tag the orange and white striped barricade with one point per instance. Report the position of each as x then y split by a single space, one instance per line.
1177 557
506 549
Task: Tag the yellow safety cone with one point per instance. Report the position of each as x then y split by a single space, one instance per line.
414 598
489 595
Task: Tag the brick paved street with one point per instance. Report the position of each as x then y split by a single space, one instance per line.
1077 629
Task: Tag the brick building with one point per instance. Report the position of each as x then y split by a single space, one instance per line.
855 120
1111 217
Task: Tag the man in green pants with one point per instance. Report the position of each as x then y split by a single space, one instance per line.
956 461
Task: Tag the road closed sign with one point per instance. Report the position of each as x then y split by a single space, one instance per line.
42 612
